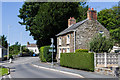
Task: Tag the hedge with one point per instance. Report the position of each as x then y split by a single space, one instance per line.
81 50
84 61
45 55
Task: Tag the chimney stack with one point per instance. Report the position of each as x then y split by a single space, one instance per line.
71 21
92 14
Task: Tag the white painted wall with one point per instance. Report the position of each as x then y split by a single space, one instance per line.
0 52
34 49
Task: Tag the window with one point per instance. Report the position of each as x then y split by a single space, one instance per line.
35 50
63 50
68 39
68 50
60 41
59 53
101 32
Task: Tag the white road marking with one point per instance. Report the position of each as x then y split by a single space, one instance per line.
58 71
9 76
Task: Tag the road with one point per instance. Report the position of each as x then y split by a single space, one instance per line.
22 68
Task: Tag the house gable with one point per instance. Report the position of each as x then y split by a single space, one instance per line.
86 31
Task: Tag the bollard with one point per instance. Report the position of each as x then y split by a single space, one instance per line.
10 61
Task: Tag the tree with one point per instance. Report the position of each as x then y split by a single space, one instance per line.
45 20
14 49
116 34
110 18
3 41
101 44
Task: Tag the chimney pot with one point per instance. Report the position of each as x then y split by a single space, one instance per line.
71 21
92 14
89 9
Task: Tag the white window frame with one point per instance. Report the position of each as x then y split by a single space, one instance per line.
63 50
68 39
68 50
60 41
60 50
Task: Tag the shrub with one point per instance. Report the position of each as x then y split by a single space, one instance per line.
81 50
79 61
101 44
45 55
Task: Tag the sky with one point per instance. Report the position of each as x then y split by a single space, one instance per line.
9 13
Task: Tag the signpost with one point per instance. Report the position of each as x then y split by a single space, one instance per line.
52 50
119 59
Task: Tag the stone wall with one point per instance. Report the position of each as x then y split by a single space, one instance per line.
86 31
113 71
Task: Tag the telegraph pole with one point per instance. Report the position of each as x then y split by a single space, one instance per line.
21 42
8 43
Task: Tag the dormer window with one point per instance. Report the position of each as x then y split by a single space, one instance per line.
60 41
68 39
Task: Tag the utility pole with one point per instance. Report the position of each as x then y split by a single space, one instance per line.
21 42
8 44
52 50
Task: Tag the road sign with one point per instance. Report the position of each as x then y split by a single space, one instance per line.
52 50
52 46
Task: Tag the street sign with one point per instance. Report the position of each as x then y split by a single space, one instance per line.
52 50
52 46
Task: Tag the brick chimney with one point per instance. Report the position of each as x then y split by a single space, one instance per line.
71 21
92 14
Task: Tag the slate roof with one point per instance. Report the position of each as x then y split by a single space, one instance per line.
71 28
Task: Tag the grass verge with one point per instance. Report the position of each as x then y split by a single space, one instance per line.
3 71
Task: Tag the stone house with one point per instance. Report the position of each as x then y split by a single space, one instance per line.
78 35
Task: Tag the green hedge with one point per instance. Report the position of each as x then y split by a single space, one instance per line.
45 55
81 50
83 60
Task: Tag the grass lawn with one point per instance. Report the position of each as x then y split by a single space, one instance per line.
3 71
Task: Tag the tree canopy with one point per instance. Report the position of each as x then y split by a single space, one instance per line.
45 20
110 18
3 41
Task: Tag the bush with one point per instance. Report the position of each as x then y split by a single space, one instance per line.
81 50
101 44
79 61
45 55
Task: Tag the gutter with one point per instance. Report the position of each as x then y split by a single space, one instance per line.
74 39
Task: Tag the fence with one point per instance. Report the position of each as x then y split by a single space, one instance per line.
106 59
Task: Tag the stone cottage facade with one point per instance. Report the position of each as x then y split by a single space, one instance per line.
78 35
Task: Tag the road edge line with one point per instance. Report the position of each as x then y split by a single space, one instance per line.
65 72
